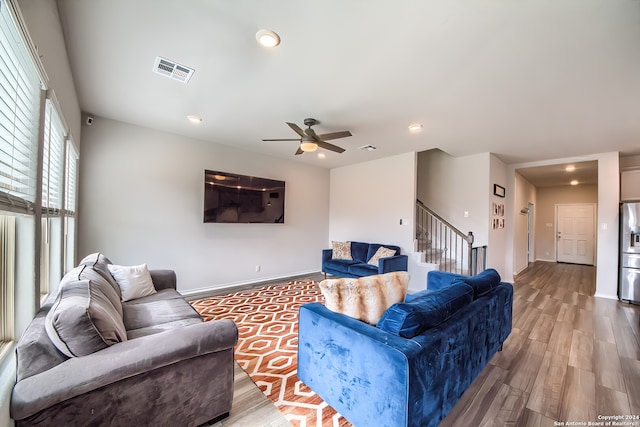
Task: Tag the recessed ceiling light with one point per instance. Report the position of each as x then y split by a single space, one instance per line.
194 119
574 182
321 155
415 127
268 38
367 147
570 168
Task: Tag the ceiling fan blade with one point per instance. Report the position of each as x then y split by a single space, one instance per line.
299 151
328 146
334 135
294 139
296 129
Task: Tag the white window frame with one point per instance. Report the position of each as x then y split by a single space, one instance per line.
23 197
21 85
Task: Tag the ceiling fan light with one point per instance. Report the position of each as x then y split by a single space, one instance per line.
308 146
268 38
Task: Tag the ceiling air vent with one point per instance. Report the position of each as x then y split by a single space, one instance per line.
172 69
367 148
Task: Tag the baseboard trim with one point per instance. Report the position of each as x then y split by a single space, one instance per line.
607 296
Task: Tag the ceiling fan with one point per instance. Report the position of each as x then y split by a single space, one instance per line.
310 141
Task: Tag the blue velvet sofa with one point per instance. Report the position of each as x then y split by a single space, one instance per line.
358 267
413 367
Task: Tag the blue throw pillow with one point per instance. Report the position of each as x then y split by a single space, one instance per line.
425 312
482 283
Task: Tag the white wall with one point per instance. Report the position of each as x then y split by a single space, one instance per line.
496 237
608 224
369 199
43 22
451 186
141 201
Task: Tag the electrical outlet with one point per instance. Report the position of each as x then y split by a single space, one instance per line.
257 268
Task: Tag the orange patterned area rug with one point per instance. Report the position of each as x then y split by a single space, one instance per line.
267 349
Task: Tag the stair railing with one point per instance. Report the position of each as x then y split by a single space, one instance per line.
445 245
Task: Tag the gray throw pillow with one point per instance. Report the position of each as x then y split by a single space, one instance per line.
99 263
87 272
82 320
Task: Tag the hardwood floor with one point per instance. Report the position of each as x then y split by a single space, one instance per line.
570 356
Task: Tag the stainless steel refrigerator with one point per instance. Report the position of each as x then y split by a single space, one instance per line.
629 280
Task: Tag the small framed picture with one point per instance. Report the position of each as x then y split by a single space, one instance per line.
498 190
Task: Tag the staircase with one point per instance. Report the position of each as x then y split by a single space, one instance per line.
441 244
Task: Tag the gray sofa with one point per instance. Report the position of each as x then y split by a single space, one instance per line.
170 369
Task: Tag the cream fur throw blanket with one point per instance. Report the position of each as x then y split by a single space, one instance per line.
365 298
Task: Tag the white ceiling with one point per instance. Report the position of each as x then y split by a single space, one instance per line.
586 173
527 80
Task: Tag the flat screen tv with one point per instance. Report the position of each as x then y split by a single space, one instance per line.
234 198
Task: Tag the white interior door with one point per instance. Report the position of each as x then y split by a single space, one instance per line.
575 234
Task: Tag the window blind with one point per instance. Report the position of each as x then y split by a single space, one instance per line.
52 160
20 87
71 179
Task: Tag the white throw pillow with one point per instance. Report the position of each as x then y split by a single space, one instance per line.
134 281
